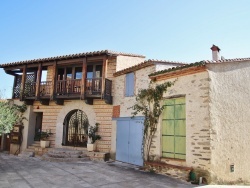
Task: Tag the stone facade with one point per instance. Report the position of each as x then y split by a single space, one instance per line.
195 89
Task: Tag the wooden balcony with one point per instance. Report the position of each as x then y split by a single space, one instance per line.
68 89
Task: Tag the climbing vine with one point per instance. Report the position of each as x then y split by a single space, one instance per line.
148 104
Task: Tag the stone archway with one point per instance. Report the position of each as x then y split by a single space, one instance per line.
75 129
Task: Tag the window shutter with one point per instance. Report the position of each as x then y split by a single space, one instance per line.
129 84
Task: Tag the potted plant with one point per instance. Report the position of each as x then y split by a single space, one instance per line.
91 146
44 135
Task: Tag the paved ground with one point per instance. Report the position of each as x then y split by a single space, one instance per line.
32 172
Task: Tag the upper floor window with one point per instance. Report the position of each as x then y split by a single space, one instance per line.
130 84
69 73
94 71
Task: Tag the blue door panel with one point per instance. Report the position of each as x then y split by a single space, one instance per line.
122 141
129 135
135 142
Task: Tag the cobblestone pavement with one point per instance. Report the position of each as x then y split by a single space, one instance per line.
33 172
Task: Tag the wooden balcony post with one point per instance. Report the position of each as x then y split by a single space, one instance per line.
14 85
23 82
84 75
38 81
104 71
54 80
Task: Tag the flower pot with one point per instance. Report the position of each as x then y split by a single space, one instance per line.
44 143
91 147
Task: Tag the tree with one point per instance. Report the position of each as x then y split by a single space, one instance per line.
9 115
148 103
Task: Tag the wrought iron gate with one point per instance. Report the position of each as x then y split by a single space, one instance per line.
75 131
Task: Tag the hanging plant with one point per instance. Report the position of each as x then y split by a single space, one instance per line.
148 103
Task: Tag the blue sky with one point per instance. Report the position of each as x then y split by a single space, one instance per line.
164 29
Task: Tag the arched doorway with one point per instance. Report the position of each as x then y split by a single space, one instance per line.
75 129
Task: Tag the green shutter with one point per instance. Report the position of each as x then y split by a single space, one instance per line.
174 128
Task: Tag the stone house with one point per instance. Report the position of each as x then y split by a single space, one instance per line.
76 92
126 144
204 125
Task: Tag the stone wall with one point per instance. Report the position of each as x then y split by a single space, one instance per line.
195 89
229 111
141 82
54 115
49 73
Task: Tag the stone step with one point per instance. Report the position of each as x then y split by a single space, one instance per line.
29 150
46 157
26 154
64 151
36 144
98 156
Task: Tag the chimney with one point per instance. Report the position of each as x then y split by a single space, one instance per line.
215 52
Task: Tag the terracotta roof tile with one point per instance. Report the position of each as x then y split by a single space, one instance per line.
228 60
70 56
201 63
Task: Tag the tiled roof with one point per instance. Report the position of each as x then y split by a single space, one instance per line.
228 60
70 56
201 63
197 64
146 63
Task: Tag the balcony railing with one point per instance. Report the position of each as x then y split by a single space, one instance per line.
45 88
67 87
93 86
30 89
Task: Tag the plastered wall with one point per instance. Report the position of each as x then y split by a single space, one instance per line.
230 120
127 61
28 123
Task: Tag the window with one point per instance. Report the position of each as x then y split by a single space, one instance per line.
174 128
129 84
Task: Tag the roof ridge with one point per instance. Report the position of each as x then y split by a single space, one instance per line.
199 63
228 60
166 61
73 55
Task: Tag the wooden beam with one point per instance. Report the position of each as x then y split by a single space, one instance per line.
23 83
14 84
84 75
104 70
54 80
38 81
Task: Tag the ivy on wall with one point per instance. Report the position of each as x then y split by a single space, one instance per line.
148 103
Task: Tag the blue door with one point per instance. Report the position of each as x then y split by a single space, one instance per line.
129 138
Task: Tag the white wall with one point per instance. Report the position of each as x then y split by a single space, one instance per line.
127 61
230 120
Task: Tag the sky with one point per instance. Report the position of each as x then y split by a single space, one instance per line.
175 30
